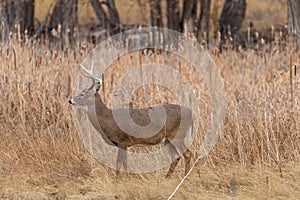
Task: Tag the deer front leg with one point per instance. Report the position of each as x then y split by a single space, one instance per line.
121 159
125 160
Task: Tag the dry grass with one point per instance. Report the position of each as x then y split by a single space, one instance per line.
41 155
233 181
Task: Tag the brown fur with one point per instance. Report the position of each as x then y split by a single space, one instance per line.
176 129
118 137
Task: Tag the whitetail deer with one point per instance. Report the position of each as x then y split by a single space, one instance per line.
177 127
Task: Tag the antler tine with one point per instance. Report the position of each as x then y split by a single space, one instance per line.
89 73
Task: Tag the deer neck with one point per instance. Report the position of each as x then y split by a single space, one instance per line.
94 118
104 114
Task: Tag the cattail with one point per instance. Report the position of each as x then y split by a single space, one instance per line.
291 79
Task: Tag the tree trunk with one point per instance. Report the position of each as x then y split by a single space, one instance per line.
64 14
173 13
113 15
294 19
4 33
25 16
101 15
232 17
156 13
70 20
203 27
17 13
109 22
189 15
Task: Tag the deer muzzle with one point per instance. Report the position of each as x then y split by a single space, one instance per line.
71 102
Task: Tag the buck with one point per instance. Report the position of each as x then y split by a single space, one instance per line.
177 127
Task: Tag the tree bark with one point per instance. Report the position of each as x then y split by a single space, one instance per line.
113 13
203 26
189 15
232 17
4 33
173 13
25 16
18 13
64 14
110 21
294 19
156 13
101 15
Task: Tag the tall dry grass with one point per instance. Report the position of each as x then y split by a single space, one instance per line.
41 155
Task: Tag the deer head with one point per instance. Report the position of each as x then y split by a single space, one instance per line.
86 97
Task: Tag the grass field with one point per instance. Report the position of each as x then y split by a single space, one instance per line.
42 156
256 157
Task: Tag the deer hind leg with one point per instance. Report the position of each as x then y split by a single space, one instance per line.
171 149
187 159
181 144
172 167
176 148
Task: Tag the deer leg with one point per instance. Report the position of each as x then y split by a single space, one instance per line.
125 161
187 159
172 167
119 162
121 159
171 149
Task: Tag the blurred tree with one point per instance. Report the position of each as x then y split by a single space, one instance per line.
189 15
101 15
65 14
173 14
203 27
231 19
17 12
109 21
155 13
294 19
113 15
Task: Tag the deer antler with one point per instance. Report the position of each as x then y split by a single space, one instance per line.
89 73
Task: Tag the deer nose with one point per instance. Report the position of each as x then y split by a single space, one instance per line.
70 102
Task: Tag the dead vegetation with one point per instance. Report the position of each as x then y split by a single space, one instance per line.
41 155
